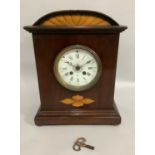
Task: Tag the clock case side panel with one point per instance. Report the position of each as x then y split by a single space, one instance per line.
37 69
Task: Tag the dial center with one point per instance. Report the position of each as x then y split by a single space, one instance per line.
77 68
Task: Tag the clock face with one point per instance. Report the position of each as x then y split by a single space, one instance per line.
77 68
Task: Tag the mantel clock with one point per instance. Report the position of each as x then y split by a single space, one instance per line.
76 56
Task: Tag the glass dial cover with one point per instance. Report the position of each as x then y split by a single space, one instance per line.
77 67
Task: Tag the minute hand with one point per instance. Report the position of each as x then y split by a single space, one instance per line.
89 61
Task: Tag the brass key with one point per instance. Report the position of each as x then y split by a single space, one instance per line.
80 142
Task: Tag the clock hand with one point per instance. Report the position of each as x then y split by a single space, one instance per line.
76 67
70 63
86 63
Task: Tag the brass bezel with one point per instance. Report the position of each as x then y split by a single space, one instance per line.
71 87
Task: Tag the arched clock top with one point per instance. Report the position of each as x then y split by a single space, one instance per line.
76 18
75 22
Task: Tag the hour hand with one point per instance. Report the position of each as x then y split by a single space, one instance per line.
69 63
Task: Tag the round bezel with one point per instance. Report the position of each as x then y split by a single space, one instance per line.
69 86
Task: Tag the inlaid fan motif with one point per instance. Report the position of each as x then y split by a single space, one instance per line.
75 20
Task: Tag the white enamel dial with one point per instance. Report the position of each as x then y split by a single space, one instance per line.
77 67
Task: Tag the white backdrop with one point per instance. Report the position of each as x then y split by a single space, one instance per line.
107 139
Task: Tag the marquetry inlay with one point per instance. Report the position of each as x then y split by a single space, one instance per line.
75 20
77 101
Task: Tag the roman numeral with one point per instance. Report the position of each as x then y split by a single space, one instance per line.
84 78
77 80
66 74
83 57
90 67
88 73
71 79
64 68
70 57
77 54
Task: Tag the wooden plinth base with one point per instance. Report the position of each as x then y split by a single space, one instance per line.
78 117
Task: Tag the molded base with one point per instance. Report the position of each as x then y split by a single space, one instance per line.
78 117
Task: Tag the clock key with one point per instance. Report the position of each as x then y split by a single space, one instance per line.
80 142
89 147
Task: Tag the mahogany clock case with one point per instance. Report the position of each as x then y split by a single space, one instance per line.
48 42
